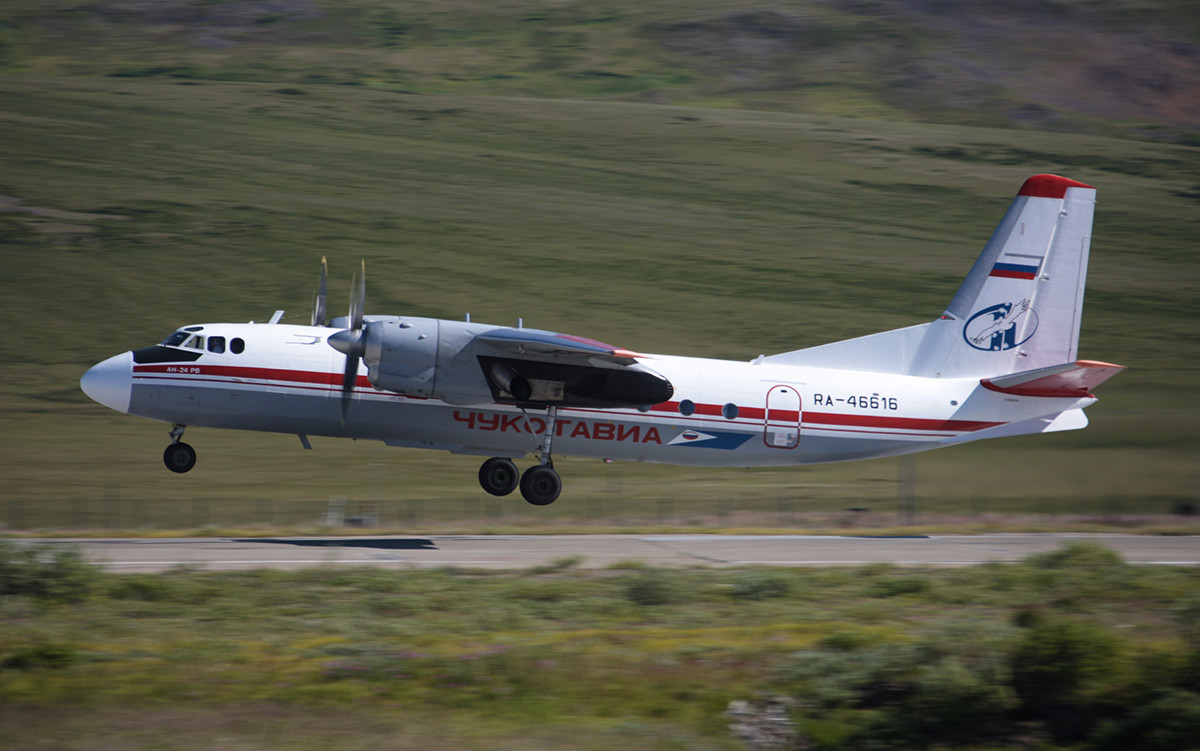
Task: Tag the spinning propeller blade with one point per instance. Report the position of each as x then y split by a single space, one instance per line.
358 297
349 379
318 314
352 341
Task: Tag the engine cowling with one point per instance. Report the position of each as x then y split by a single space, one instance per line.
441 359
401 355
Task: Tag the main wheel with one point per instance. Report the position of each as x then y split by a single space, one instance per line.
499 476
179 457
540 485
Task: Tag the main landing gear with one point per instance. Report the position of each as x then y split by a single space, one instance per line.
179 456
540 484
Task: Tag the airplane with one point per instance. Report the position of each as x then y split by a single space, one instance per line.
1001 360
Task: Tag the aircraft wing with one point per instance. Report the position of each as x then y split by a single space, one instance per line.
534 342
1075 379
532 367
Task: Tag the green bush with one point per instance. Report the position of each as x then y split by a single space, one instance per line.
144 587
48 573
894 586
1062 664
1170 721
51 656
651 588
758 585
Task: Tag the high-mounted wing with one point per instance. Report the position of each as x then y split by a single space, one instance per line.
560 346
543 368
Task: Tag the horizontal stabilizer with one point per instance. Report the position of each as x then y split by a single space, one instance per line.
1072 379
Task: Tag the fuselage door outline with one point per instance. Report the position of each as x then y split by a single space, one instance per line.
781 426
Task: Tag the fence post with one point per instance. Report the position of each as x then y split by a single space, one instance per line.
907 489
16 514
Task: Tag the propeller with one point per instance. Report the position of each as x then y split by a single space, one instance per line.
352 342
318 314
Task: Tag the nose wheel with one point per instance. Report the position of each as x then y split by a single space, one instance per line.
179 456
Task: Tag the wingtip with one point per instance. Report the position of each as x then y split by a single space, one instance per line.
1049 186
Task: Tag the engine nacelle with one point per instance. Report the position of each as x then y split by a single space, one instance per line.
426 357
440 359
401 355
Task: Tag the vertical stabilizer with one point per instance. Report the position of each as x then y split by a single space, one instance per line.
1019 308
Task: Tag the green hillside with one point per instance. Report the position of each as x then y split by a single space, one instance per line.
138 195
1123 66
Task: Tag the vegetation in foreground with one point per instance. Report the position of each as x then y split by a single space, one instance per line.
1070 649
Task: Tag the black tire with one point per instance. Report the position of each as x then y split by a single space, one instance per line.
540 485
499 476
179 457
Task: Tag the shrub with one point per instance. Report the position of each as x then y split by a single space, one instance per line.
894 586
51 656
144 587
761 586
868 677
1057 661
650 588
1170 721
46 572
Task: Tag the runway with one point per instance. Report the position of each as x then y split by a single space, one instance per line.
599 551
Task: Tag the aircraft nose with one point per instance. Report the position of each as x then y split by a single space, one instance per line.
110 382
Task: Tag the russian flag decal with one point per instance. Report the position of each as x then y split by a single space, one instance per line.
713 440
1014 271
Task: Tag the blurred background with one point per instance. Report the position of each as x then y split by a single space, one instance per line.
706 179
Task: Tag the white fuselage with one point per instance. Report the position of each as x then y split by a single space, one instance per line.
287 379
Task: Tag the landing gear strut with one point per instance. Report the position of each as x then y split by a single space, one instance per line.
179 456
540 485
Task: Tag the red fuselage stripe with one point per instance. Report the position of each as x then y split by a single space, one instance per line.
330 381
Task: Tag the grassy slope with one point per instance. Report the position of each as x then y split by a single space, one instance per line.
708 232
1120 66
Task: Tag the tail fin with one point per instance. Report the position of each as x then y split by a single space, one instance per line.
1019 308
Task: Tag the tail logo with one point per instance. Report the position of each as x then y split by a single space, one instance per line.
996 327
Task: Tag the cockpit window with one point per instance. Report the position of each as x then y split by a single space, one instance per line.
196 342
175 339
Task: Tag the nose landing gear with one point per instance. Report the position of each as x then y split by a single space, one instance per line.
179 456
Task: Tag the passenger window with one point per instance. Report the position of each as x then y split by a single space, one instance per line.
216 344
236 346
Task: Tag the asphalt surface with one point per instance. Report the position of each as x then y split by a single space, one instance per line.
598 551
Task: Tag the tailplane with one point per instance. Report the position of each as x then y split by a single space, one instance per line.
1018 310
